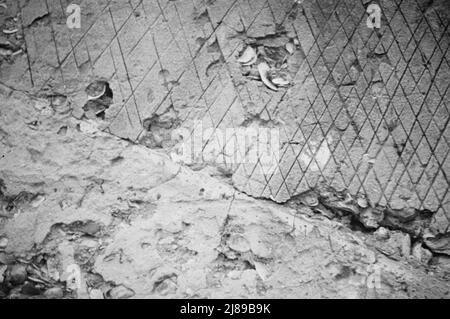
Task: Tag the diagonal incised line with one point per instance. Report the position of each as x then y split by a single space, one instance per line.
126 68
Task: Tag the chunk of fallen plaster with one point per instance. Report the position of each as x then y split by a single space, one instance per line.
121 292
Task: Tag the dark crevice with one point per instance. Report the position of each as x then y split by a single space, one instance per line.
343 207
100 97
356 225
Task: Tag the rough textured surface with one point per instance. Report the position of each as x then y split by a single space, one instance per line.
364 145
367 110
142 226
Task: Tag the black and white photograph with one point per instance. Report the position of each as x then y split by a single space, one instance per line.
246 151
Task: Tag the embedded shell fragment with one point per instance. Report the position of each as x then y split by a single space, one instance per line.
279 81
263 69
249 56
96 90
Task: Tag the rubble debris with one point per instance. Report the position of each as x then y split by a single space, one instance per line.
96 90
34 11
17 274
3 243
362 202
159 128
382 233
3 269
339 204
265 245
96 294
272 68
441 261
21 278
9 32
59 103
90 228
410 221
54 293
120 292
371 217
79 228
6 52
6 259
276 55
13 204
62 130
280 82
322 210
396 247
37 200
440 244
100 98
421 254
94 280
252 74
406 245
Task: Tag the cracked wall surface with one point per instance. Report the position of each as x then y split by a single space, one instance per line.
367 110
139 225
364 143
